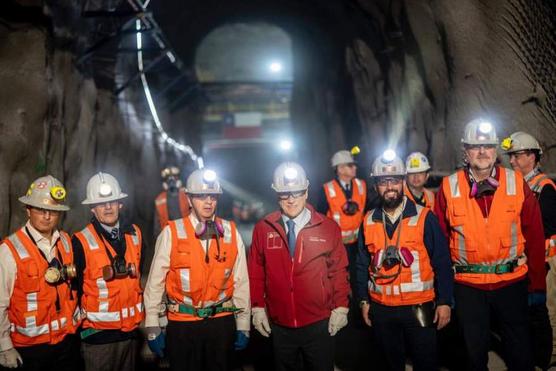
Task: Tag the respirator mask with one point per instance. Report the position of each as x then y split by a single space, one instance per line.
58 272
119 268
350 207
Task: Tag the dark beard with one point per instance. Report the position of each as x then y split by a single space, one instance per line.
392 203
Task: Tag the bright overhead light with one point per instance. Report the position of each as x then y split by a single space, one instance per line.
275 67
286 145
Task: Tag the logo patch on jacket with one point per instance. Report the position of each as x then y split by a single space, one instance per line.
316 239
273 241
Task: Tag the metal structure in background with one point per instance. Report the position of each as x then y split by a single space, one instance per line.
116 21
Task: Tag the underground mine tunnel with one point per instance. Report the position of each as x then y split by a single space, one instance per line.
131 87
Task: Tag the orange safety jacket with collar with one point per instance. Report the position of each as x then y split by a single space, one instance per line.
116 304
414 284
191 280
428 196
349 224
537 183
491 241
161 203
32 312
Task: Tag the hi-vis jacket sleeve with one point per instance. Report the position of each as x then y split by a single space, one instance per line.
155 287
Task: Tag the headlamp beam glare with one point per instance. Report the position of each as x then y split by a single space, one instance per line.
105 189
209 176
290 173
389 155
485 127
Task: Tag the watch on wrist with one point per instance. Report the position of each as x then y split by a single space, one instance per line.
363 302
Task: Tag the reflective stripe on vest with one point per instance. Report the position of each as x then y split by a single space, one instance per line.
420 283
91 240
21 250
331 190
359 186
180 229
480 241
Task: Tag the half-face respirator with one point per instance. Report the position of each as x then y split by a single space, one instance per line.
119 269
350 207
58 272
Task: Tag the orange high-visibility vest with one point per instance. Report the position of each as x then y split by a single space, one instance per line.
414 284
349 224
32 310
191 280
161 203
494 240
116 304
428 196
536 184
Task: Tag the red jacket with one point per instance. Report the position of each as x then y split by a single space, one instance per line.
302 290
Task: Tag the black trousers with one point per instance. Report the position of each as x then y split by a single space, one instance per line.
201 345
398 334
63 356
305 348
508 307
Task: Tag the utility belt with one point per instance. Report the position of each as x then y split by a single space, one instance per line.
203 312
490 269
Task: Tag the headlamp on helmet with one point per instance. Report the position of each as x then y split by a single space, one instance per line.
506 144
105 189
209 176
389 155
58 193
290 173
485 127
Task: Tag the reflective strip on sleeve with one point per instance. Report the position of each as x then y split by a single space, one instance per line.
161 201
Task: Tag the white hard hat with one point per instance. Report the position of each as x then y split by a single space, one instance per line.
47 193
342 157
203 181
101 188
416 162
388 164
520 141
479 131
289 177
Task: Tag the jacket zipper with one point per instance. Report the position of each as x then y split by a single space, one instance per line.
292 295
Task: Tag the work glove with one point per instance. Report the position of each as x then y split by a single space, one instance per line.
338 320
10 358
242 339
156 340
536 298
260 321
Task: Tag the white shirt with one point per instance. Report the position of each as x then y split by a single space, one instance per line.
300 221
8 274
155 287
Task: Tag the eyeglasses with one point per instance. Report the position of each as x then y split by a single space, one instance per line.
286 195
385 181
204 197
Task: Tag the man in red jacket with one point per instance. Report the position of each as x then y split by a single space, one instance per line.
298 277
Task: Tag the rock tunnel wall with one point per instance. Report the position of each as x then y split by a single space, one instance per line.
368 72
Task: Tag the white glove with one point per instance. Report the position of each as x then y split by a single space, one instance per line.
260 321
10 358
338 320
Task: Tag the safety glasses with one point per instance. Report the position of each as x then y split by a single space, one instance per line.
390 180
286 195
204 197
